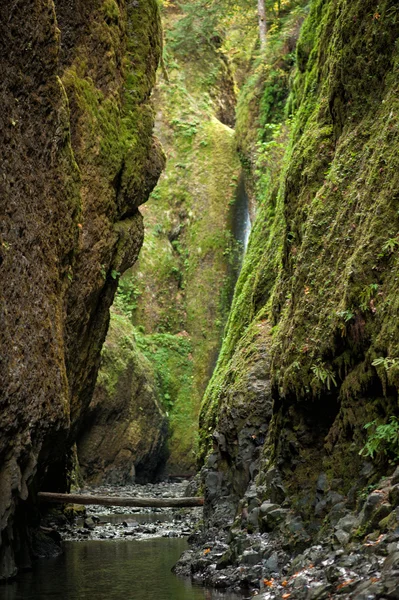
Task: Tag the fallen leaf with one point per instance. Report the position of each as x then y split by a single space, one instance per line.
207 550
344 584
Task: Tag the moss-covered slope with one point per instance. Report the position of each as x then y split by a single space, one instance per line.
123 436
178 294
77 159
316 302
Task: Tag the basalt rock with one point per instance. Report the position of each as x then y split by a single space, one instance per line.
77 158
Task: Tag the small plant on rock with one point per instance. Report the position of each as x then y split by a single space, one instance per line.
384 361
382 441
324 374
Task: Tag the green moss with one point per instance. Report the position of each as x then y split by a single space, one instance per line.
119 352
113 118
321 264
178 294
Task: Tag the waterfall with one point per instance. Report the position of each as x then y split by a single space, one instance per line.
241 218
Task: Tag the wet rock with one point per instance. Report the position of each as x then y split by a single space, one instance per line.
391 562
369 507
320 591
271 565
274 518
337 512
394 495
395 477
253 517
347 523
322 483
249 557
342 536
226 559
267 507
275 486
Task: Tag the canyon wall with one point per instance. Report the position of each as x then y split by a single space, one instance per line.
78 158
173 304
310 354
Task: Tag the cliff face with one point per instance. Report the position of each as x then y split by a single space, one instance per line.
77 160
313 329
177 295
124 432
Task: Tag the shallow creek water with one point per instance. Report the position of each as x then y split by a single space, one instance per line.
104 564
110 570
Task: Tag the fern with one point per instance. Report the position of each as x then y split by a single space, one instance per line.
324 374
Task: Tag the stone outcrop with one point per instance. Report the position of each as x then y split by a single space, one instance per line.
77 159
124 433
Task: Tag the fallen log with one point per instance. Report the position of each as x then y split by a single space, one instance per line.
119 501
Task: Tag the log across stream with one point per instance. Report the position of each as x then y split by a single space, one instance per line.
140 502
116 553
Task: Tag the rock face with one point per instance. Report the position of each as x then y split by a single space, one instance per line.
316 303
178 294
77 159
123 436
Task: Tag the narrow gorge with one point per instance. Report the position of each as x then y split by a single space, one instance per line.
238 332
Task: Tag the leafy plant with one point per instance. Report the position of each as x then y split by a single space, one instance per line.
390 245
346 315
383 440
324 374
127 296
386 362
367 295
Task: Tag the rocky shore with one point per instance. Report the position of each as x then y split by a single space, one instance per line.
268 551
105 523
271 553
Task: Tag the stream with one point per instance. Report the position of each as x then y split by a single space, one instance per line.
119 554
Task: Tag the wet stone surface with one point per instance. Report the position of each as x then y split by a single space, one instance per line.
363 571
350 559
269 551
107 522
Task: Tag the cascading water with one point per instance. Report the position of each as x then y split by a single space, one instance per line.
241 225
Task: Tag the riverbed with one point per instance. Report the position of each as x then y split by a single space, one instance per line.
120 555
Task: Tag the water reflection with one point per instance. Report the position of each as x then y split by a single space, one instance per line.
111 570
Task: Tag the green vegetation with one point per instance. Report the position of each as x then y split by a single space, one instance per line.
382 441
178 294
262 135
319 136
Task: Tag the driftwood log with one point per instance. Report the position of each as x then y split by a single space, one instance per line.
119 501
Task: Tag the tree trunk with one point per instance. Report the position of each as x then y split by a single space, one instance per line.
117 501
262 24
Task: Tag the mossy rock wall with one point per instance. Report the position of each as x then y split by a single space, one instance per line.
78 158
178 293
124 433
320 275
